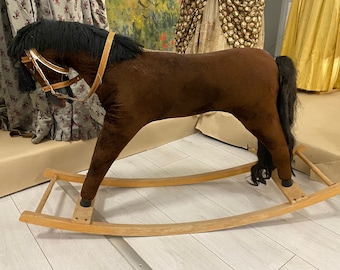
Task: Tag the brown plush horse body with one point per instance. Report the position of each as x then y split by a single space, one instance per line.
140 86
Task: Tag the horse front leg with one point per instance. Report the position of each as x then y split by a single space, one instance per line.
111 141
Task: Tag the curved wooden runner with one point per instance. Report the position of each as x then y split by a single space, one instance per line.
153 182
81 220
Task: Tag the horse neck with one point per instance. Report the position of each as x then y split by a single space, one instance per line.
84 64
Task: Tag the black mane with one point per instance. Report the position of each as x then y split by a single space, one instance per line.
71 37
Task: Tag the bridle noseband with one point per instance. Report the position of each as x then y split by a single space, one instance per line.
32 58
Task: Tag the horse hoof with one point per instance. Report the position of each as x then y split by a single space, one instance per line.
287 183
85 203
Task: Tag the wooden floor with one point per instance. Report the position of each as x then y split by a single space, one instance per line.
307 239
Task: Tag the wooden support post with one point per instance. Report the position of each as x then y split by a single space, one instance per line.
293 193
82 214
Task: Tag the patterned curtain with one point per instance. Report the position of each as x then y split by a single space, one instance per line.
212 25
31 113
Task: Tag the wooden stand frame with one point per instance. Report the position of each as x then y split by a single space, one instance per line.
82 217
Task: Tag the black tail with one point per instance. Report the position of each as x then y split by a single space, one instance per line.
286 102
286 105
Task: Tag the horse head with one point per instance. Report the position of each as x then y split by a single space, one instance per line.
72 44
52 77
33 67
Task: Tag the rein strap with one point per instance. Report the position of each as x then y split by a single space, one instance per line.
102 64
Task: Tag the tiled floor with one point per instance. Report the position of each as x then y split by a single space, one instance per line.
307 239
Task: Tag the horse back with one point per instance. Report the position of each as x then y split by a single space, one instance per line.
173 85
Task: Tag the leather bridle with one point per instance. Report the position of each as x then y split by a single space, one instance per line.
33 58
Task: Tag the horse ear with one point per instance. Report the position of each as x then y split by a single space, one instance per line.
26 81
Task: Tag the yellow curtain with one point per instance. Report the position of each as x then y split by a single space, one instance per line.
312 40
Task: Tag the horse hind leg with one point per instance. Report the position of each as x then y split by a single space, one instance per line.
273 151
262 171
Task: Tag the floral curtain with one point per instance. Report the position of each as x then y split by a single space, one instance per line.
31 113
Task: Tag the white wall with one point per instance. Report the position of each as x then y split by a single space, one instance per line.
275 16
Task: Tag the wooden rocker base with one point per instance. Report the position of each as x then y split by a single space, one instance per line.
82 217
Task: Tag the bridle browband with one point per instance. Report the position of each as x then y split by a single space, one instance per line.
32 58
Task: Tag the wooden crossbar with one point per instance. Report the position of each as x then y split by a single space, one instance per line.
46 194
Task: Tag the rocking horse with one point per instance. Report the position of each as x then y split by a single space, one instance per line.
137 86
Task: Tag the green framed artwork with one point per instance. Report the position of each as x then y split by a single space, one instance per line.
150 22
